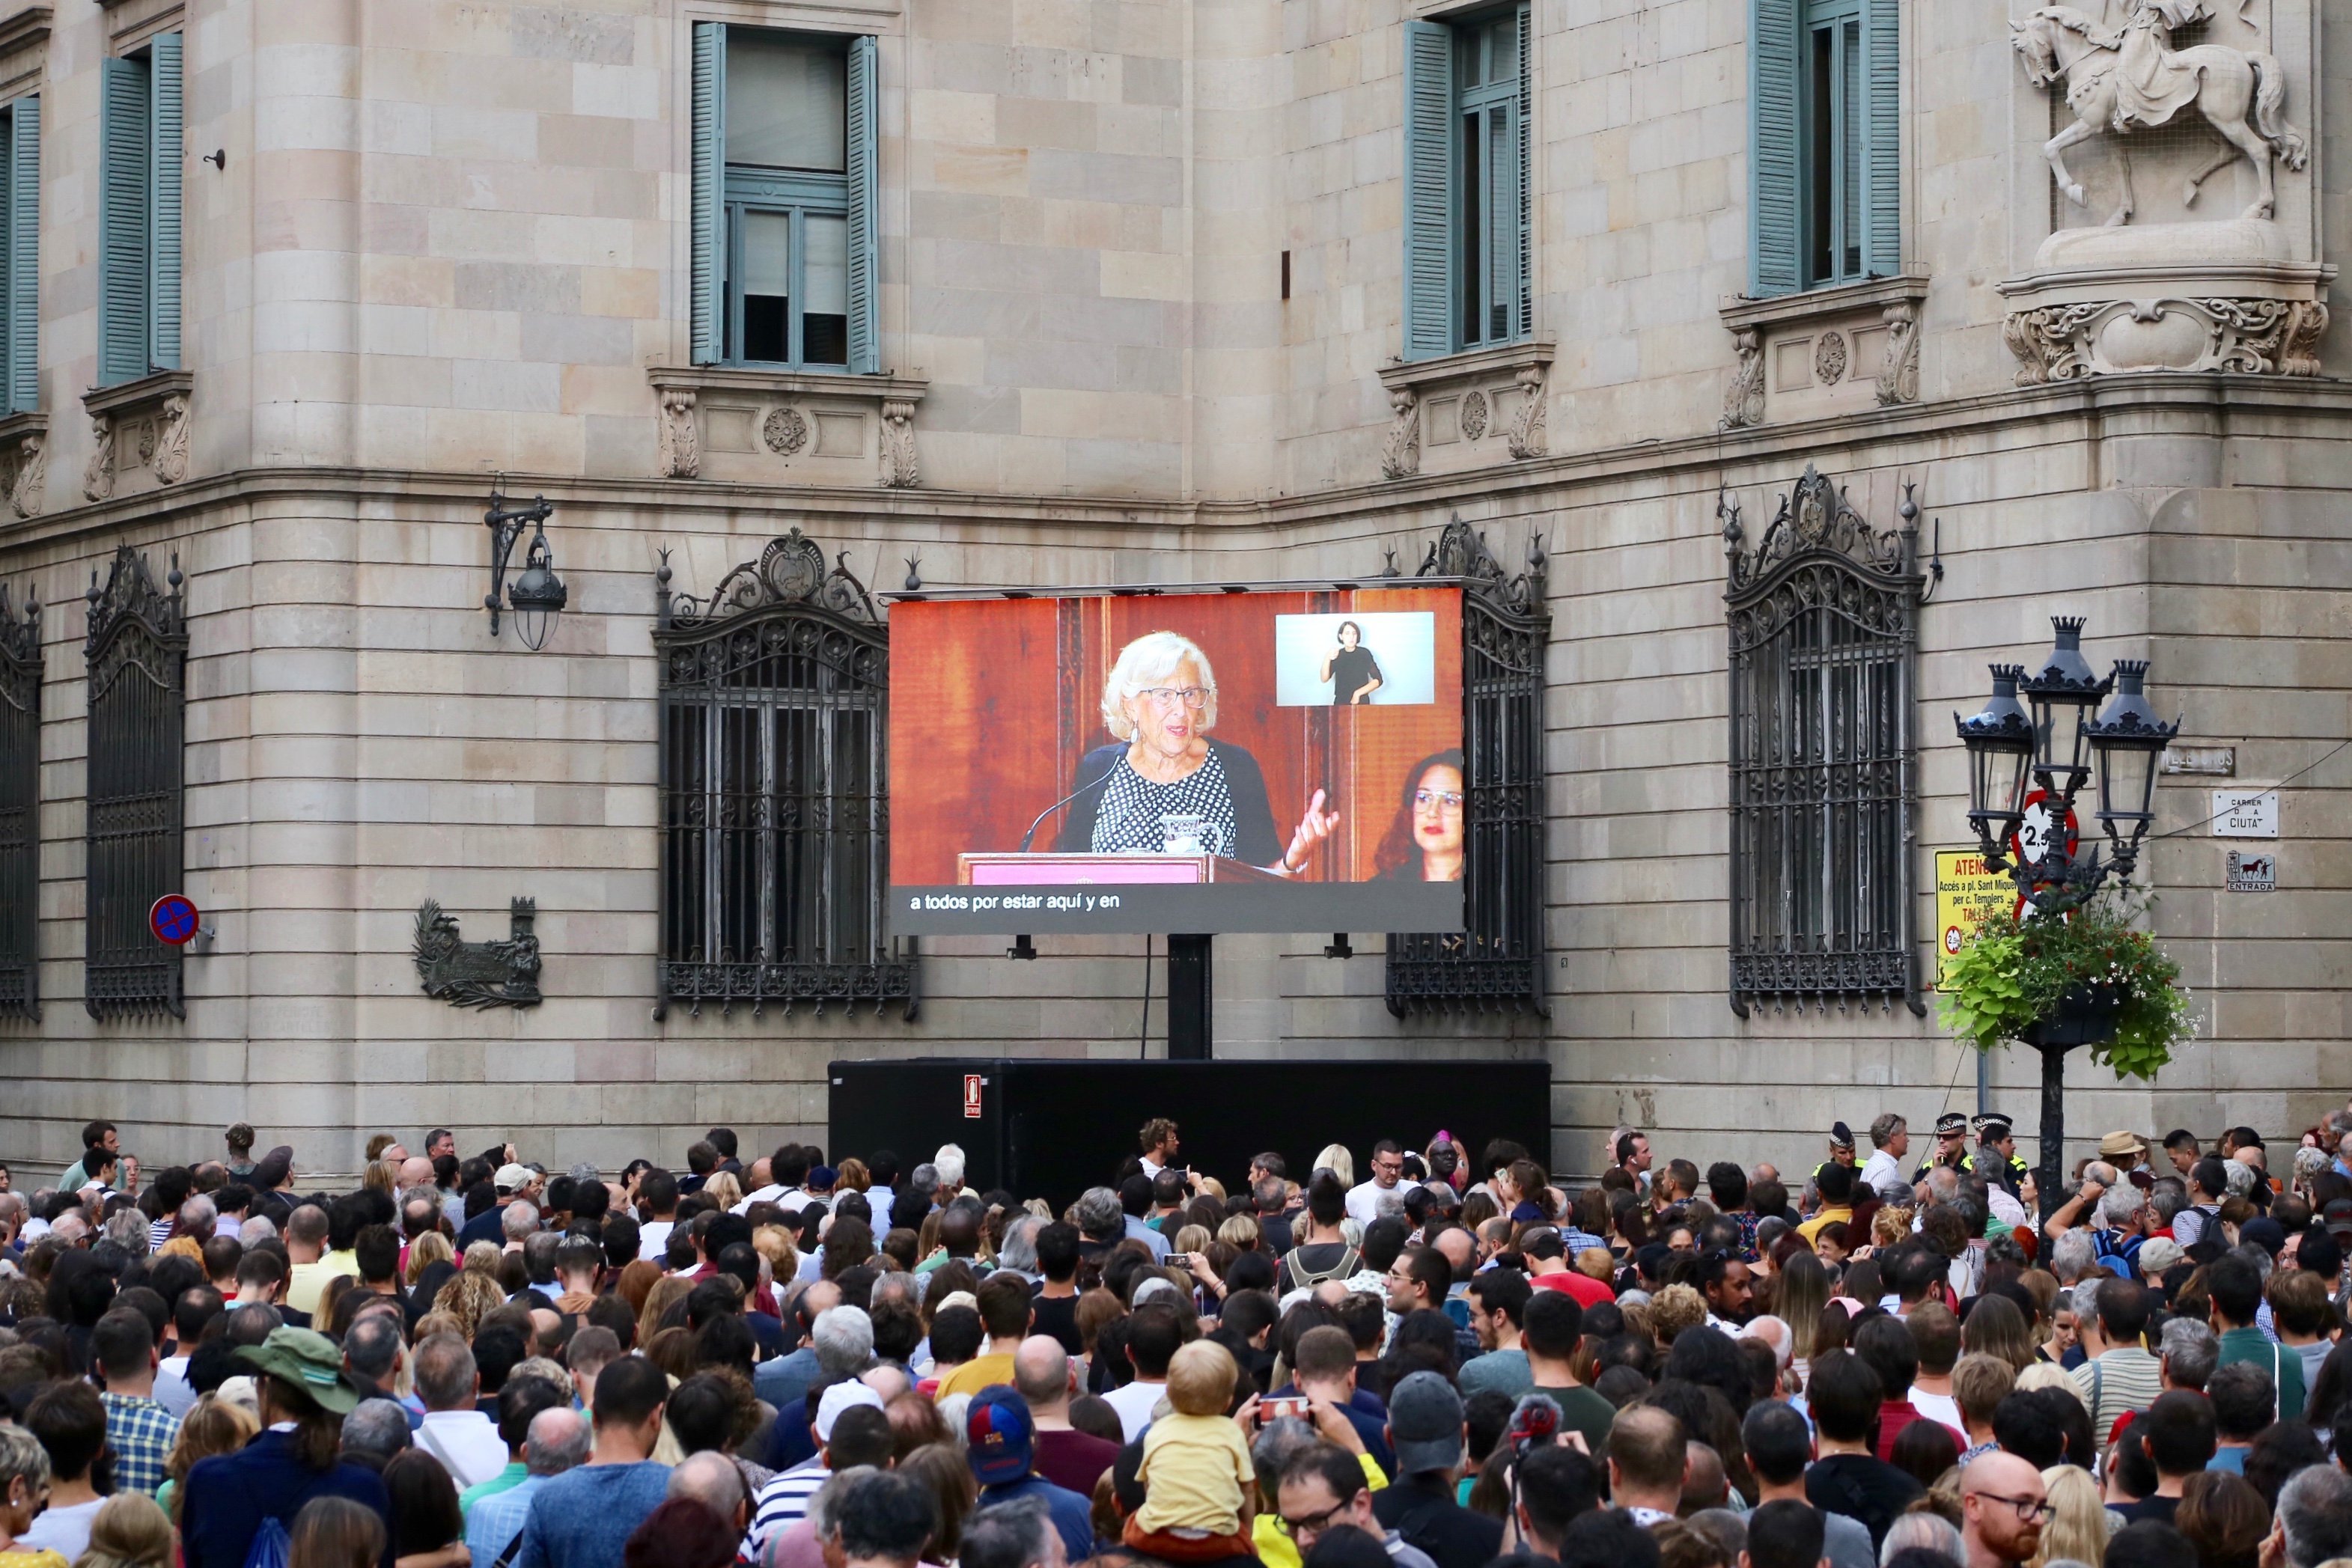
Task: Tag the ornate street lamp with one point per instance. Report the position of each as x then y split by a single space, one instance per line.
2058 746
537 596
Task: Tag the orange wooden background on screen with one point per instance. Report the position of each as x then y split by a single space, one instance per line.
993 702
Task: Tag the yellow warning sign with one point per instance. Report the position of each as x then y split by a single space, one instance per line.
1966 895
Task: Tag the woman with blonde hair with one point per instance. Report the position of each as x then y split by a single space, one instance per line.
724 1190
424 1252
773 1243
484 1258
470 1298
1798 1298
1239 1232
2079 1524
383 1177
668 1291
129 1531
1336 1159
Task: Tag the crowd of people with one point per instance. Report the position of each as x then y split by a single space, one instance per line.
1907 1360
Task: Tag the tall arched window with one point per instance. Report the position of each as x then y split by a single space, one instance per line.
20 809
1498 961
1823 619
774 790
137 652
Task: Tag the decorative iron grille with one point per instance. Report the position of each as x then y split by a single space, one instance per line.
1823 617
20 809
1498 961
774 790
137 652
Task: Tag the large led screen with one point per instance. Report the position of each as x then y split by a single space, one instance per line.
1199 762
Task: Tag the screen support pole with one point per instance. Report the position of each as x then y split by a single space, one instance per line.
1189 996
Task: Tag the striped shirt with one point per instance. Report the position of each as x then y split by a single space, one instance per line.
783 1501
2124 1379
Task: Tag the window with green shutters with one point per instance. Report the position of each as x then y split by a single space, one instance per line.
139 213
784 199
1468 238
1827 200
20 255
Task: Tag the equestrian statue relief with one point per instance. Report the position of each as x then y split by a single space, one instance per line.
2131 79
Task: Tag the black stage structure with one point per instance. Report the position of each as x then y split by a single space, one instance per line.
1052 1127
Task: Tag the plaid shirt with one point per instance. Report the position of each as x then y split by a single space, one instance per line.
140 1432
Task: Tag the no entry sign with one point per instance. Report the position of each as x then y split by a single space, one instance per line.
173 919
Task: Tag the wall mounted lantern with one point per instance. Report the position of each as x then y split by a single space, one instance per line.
537 596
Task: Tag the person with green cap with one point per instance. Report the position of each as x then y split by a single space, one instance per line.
231 1498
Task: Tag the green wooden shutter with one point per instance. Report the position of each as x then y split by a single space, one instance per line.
1775 223
710 237
24 240
123 261
1524 117
1428 190
1882 215
865 241
164 228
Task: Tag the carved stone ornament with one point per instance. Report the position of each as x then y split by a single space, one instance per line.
785 430
98 475
1743 400
791 571
478 973
1401 447
1529 435
680 442
2252 337
899 471
131 593
1473 415
2128 79
1829 358
1898 377
170 459
28 483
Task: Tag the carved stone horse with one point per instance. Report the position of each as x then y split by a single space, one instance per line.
2240 93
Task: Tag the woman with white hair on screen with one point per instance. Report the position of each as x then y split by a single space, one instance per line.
1163 785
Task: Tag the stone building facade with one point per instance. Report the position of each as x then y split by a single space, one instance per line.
1159 291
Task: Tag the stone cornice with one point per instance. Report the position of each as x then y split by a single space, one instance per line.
2214 404
1469 364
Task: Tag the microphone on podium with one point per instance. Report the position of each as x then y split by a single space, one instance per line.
1028 837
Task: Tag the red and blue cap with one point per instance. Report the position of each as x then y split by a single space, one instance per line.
1000 1437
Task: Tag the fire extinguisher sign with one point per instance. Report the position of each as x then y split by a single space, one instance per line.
971 1082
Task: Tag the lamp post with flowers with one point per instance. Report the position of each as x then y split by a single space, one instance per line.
2028 763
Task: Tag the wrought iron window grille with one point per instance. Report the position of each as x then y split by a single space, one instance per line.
20 808
1496 963
775 791
1823 615
137 653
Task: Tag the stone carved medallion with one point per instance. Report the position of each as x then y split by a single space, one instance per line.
1473 415
1829 359
784 431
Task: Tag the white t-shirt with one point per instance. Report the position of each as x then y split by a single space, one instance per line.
1364 1199
652 1239
1938 1408
1134 1403
174 1393
64 1531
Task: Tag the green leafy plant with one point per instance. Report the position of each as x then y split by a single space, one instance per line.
2019 972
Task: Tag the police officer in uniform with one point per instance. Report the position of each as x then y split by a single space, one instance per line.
1841 1154
1995 1152
1951 1146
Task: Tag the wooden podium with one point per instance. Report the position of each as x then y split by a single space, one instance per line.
1135 869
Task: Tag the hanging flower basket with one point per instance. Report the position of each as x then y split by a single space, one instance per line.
2091 979
2086 1015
